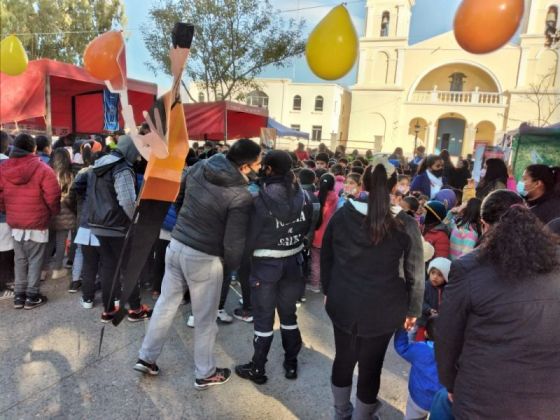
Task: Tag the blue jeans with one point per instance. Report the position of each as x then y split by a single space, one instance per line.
203 274
276 286
441 406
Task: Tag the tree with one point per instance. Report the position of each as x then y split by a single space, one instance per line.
59 29
546 99
234 40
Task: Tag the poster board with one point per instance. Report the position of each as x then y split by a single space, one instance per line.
529 149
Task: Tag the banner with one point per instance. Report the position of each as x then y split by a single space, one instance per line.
110 110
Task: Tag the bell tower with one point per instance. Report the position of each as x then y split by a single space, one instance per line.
382 47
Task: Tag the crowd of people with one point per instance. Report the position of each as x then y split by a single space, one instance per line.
464 276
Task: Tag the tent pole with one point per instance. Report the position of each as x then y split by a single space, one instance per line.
225 125
48 117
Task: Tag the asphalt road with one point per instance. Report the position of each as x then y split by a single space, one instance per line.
50 368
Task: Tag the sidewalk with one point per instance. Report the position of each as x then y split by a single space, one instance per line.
50 368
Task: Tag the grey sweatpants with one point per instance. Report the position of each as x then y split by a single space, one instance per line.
28 262
202 273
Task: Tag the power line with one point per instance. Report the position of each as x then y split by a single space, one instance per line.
317 7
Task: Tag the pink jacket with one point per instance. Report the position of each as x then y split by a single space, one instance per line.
328 211
339 184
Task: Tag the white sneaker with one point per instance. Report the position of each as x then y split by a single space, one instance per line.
190 321
224 317
59 274
7 294
86 304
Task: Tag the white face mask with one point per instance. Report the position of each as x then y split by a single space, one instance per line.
521 189
402 188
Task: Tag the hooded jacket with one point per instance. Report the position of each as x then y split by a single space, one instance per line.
213 208
371 288
279 223
438 237
111 190
546 208
29 191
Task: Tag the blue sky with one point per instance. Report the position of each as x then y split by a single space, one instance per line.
429 18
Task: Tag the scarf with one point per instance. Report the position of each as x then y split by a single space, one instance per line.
435 184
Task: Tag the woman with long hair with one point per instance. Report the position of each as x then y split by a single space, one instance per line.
280 221
495 178
328 201
496 342
429 180
449 170
64 221
372 272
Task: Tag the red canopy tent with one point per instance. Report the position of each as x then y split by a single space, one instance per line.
61 98
224 120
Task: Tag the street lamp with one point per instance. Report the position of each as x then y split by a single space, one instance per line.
416 131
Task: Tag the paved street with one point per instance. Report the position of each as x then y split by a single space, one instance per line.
50 368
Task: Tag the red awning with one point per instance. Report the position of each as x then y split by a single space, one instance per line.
224 120
76 98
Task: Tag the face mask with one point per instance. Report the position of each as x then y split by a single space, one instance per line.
403 189
482 173
437 173
252 175
521 189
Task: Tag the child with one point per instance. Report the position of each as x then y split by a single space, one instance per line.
465 228
435 232
438 272
328 201
447 197
403 184
338 172
352 188
423 382
410 205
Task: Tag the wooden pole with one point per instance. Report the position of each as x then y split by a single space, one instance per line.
48 116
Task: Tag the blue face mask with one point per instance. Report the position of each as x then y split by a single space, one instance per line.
521 189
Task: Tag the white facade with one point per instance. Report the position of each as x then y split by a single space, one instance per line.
320 109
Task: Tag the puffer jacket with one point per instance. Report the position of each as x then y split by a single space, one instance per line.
213 208
29 191
66 219
497 342
438 237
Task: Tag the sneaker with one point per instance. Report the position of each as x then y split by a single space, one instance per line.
145 367
59 274
290 372
224 317
221 376
243 315
69 264
107 317
143 313
249 371
313 288
74 286
190 321
7 294
31 303
19 301
86 303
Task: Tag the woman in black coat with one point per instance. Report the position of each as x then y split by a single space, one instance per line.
497 335
372 275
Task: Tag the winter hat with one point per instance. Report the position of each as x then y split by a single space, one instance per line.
435 212
447 197
306 176
443 265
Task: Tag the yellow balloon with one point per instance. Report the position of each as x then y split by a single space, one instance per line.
332 47
13 58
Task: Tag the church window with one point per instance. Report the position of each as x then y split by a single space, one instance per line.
457 81
385 19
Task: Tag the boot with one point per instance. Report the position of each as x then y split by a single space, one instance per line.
342 406
365 411
291 341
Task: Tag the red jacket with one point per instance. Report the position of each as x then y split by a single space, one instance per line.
439 239
29 192
328 211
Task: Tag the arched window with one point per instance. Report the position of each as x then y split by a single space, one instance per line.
201 97
318 103
257 98
385 19
457 80
297 103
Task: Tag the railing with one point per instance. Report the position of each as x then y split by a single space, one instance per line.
467 98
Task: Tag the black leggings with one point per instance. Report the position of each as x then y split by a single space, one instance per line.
368 353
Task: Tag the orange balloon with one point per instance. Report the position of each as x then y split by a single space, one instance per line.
483 26
101 54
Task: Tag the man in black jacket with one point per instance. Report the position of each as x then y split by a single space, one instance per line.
280 221
213 209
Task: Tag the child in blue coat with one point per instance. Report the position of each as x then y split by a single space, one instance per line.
423 382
